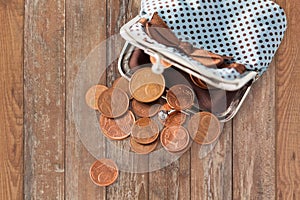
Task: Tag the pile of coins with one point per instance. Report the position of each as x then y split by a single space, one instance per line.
137 110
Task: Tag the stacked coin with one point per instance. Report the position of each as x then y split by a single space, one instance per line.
135 109
146 88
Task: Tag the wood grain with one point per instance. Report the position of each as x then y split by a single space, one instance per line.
211 176
288 107
85 30
11 101
44 94
129 185
171 182
184 176
254 142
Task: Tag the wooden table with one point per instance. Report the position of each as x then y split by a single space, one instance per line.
42 45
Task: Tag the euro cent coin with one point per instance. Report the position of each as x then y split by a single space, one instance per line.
204 128
180 97
145 86
93 94
175 118
123 84
145 109
143 148
145 131
174 138
117 128
104 172
113 102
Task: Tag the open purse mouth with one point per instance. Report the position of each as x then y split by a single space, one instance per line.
133 29
224 104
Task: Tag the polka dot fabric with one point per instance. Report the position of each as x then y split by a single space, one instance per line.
250 31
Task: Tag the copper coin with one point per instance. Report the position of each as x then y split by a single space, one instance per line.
199 82
93 94
104 172
123 84
117 128
113 102
174 138
163 62
175 118
142 148
145 131
145 86
145 109
180 97
204 128
166 107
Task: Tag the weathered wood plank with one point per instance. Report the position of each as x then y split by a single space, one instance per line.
173 181
184 176
130 185
211 176
44 99
85 30
162 185
254 142
287 107
11 101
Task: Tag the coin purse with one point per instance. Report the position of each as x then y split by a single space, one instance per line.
243 32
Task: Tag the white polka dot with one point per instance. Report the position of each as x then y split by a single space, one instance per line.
250 30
